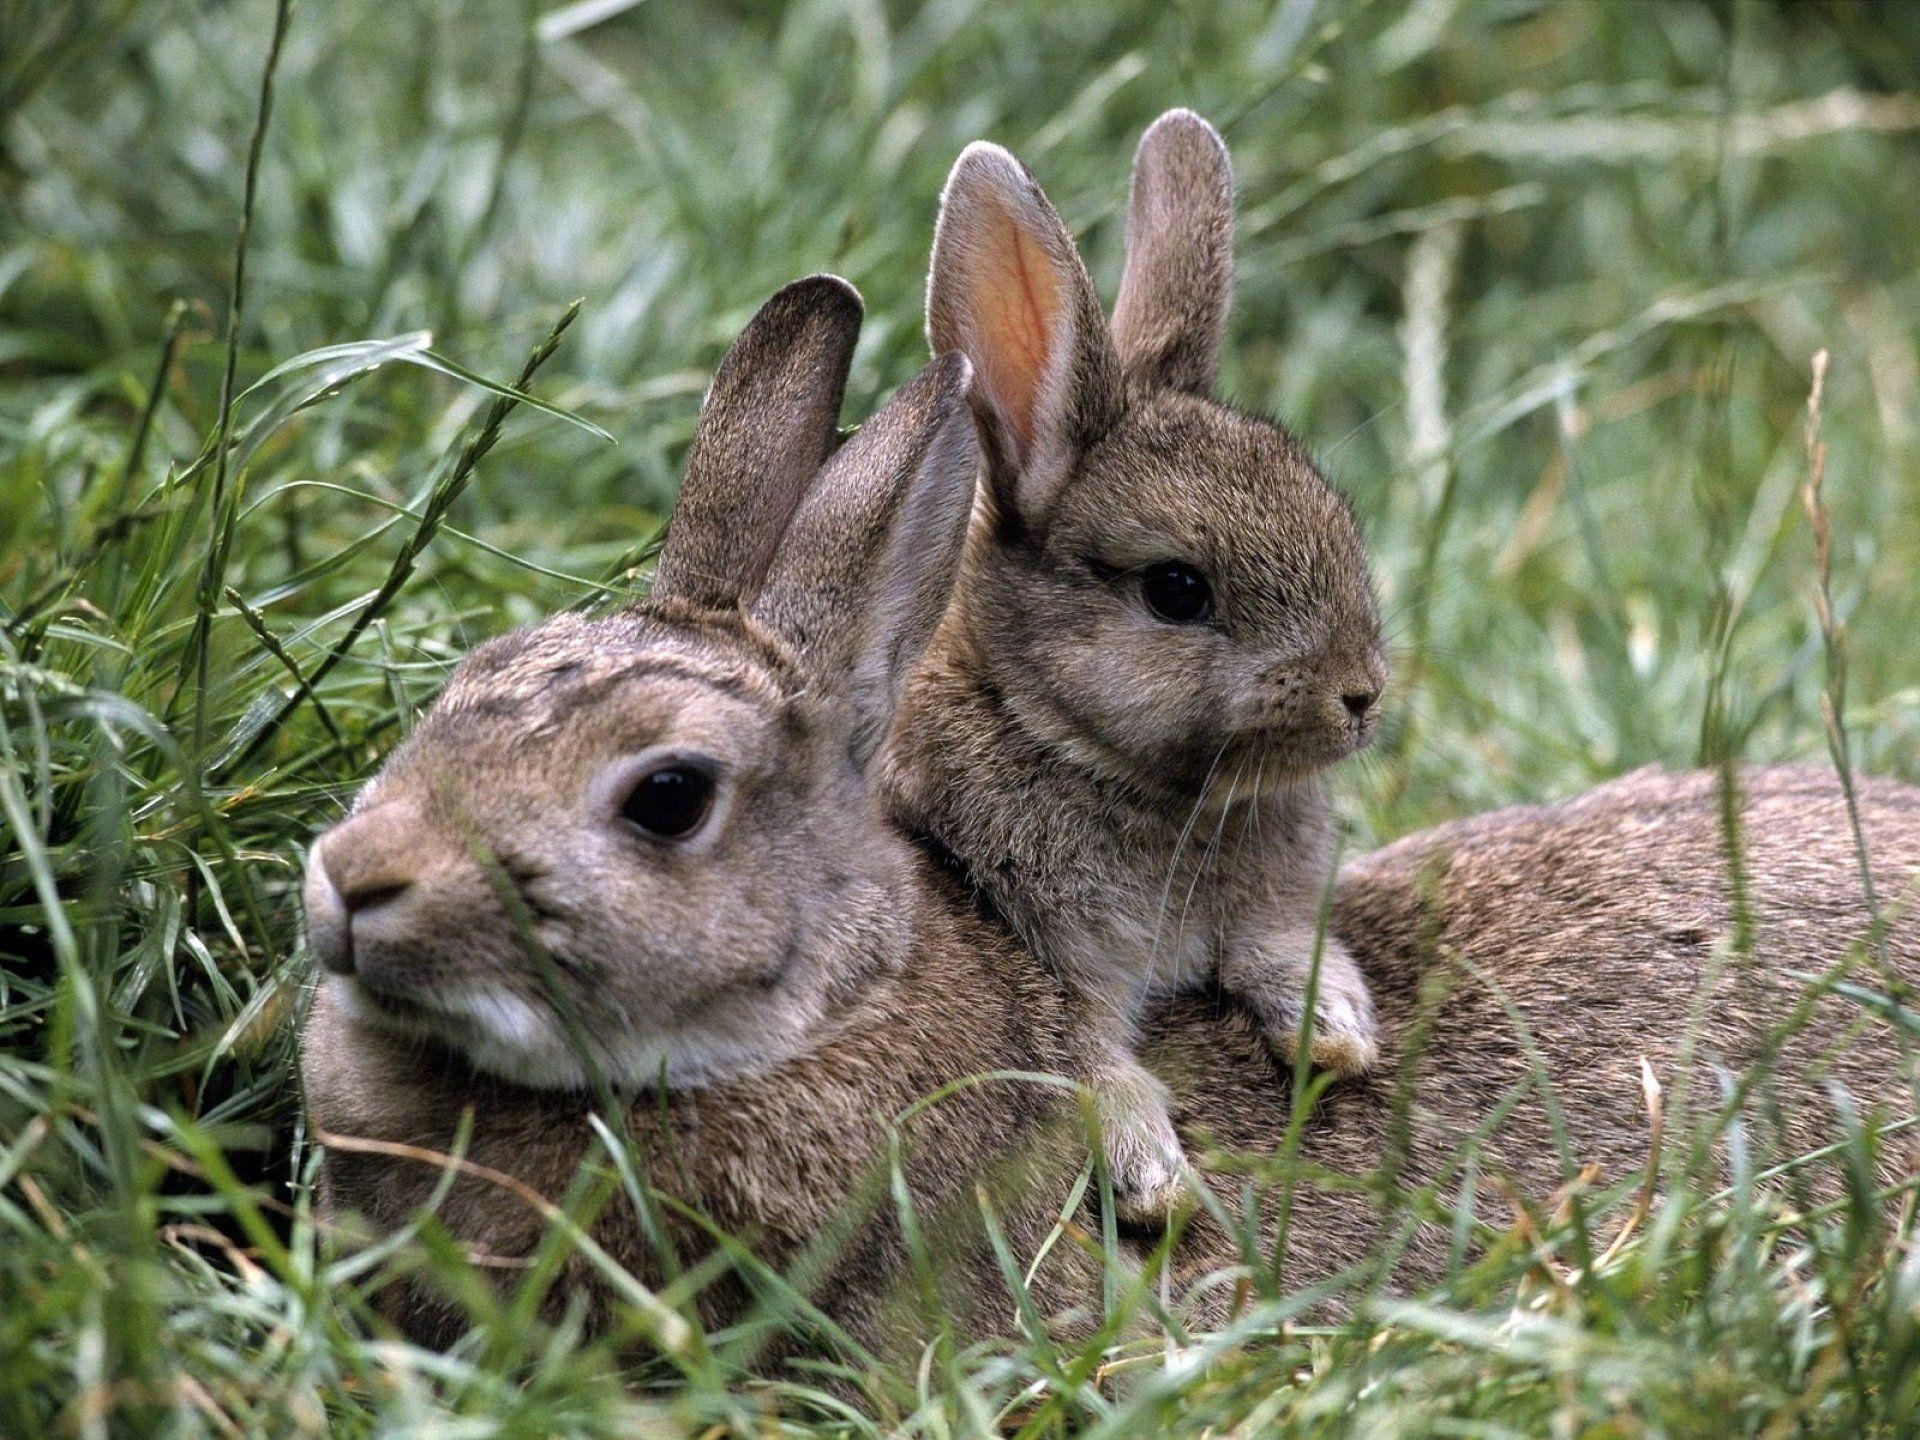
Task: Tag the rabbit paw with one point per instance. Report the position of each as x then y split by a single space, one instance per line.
1346 1037
1145 1162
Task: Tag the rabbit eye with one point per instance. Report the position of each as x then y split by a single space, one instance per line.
669 803
1176 593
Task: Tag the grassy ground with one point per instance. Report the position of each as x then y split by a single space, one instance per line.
1541 283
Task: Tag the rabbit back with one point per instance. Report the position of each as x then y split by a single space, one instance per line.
1548 949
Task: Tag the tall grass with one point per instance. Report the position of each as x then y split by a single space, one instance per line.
1541 283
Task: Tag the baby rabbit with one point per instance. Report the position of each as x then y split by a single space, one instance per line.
1163 632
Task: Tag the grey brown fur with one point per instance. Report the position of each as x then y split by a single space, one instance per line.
810 975
783 1160
1141 800
1605 923
493 934
768 422
1171 314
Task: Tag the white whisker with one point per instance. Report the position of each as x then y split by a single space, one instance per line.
1213 847
1173 861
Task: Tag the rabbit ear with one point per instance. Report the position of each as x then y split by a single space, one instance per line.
1008 290
765 427
1172 310
864 572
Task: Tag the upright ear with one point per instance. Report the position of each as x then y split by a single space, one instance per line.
766 426
1172 310
1008 290
865 570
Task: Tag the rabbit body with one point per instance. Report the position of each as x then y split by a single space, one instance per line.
1130 902
642 852
1533 958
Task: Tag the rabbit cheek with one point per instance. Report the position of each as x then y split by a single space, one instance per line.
1177 697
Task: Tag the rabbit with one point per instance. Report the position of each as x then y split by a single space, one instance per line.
1163 634
641 852
1581 936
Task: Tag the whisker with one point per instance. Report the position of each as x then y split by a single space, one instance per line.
1173 861
1213 847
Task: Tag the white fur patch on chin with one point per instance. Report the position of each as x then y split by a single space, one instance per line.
510 1037
510 1020
503 1034
498 1033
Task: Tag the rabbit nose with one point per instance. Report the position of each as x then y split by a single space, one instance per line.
366 891
328 935
357 867
366 869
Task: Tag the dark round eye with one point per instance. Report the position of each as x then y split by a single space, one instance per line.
1176 593
669 803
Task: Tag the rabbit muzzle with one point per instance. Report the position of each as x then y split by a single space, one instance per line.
394 916
1306 719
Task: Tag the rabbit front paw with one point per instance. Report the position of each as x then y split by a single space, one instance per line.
1346 1036
1145 1161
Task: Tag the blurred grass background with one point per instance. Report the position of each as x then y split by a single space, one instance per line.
1540 283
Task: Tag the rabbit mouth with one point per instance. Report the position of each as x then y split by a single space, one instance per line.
1288 748
504 1034
496 1031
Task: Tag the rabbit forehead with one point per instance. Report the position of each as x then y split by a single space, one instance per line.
576 690
1183 478
544 675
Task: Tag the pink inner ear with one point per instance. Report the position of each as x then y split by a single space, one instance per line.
1015 320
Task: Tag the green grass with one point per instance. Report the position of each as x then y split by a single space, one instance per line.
1540 284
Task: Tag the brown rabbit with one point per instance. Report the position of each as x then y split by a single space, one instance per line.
1164 632
642 850
1587 934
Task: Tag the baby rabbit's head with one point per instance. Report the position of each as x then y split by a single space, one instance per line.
1166 585
642 846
